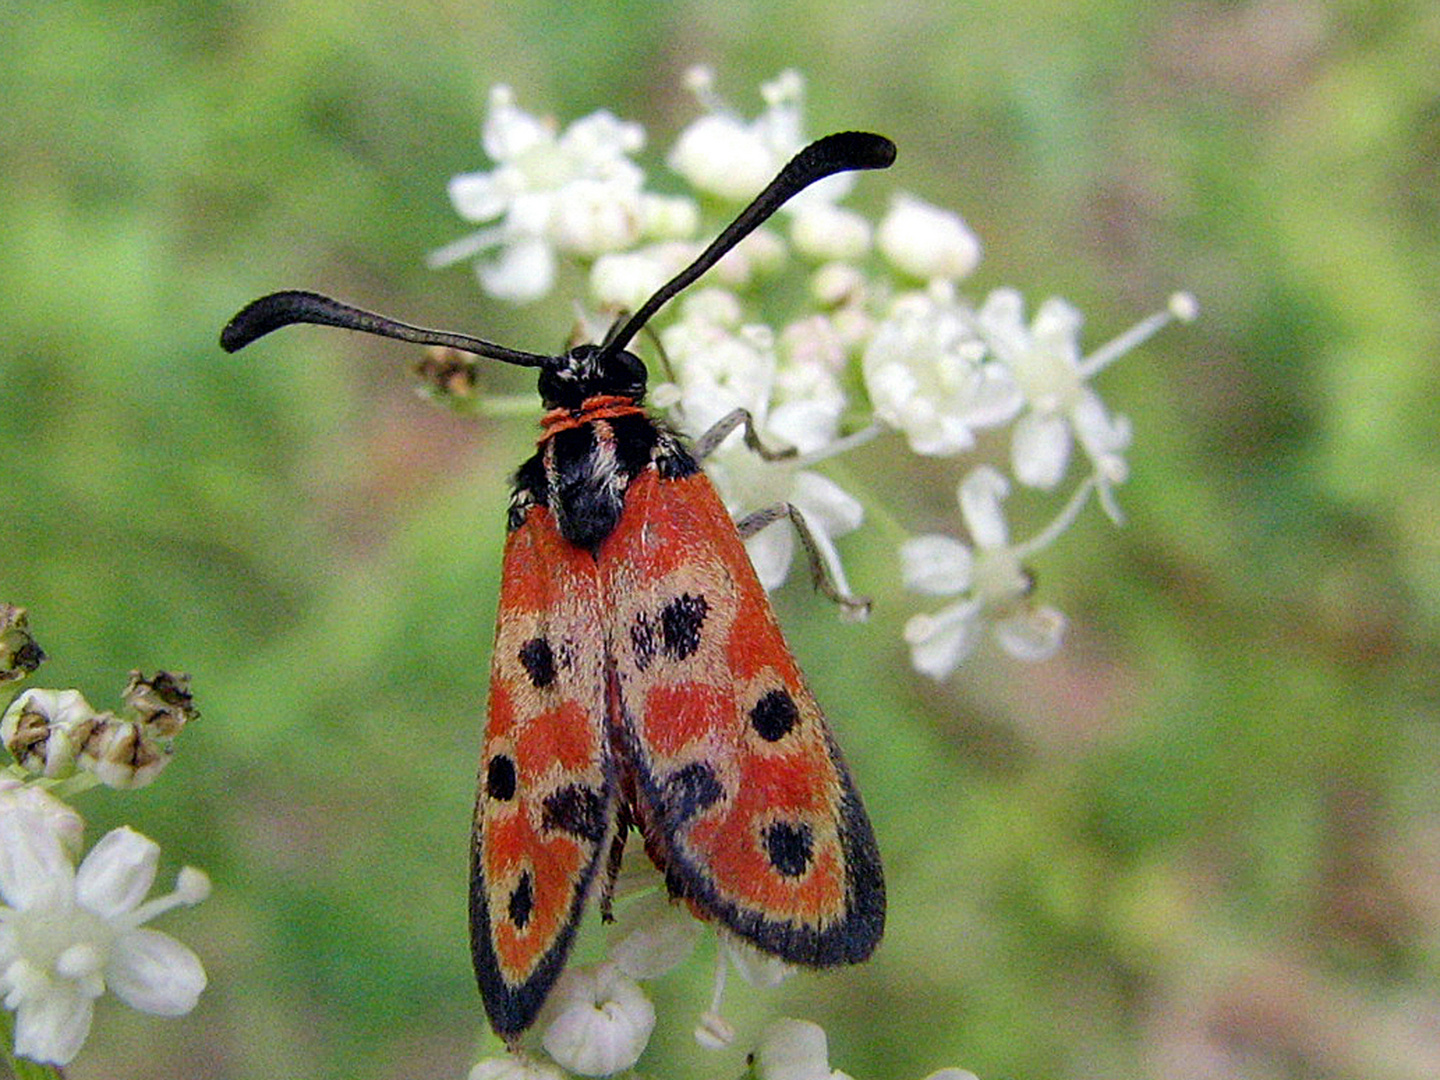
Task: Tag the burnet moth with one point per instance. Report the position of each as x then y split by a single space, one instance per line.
639 678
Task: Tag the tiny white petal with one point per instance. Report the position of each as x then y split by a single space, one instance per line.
927 242
477 196
1040 449
117 873
981 494
652 935
60 707
792 1050
524 271
827 506
835 283
936 565
154 973
1031 634
952 1074
940 641
51 1028
1056 328
669 217
1001 319
807 424
509 130
771 551
822 230
1104 438
34 870
57 817
759 969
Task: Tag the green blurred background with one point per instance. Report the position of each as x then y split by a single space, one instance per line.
1202 842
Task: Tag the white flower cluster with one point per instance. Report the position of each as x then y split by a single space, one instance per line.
888 343
597 1020
68 933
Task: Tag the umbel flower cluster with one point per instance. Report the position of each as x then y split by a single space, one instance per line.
883 341
70 932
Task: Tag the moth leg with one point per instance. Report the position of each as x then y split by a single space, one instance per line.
706 444
822 572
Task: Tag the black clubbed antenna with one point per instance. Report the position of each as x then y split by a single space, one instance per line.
259 317
841 152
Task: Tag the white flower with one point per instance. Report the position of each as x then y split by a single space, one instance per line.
1046 361
578 193
927 242
516 1066
67 935
669 217
624 280
792 1050
823 231
927 377
721 154
798 1050
597 1020
990 578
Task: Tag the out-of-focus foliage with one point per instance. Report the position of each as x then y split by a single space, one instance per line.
1202 842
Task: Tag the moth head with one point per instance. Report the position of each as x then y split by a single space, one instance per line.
588 371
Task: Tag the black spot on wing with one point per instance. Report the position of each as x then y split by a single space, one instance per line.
789 846
774 715
681 621
500 778
538 661
690 790
577 810
522 901
642 640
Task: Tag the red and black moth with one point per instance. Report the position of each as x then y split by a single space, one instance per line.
639 678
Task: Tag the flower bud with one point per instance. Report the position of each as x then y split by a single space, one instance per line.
122 754
162 705
20 654
44 729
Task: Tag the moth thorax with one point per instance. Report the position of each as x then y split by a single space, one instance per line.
588 371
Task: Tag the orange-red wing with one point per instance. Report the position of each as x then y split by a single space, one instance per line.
740 788
546 803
